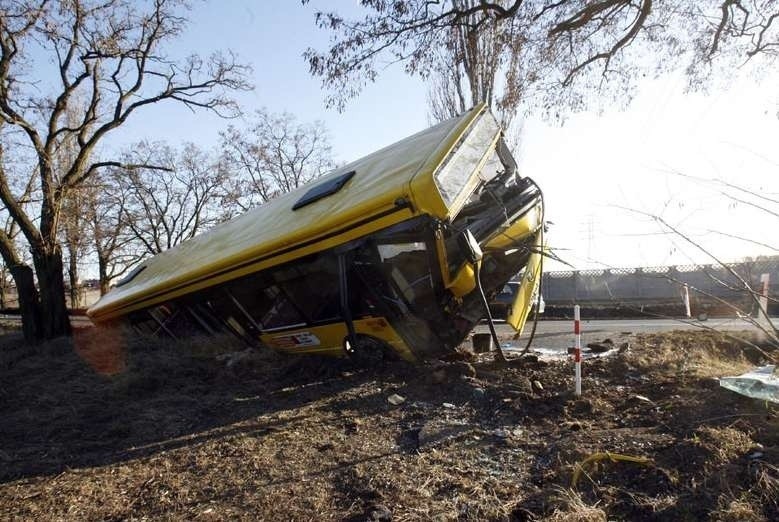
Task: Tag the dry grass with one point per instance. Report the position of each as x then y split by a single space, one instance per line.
738 510
700 354
570 507
110 427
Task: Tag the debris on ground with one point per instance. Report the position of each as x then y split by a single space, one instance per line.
602 346
758 383
612 457
108 427
396 399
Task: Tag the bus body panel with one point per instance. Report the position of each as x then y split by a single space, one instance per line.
329 339
528 288
270 230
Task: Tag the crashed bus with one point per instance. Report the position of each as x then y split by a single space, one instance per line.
395 252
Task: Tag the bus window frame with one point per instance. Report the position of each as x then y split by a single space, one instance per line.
420 229
224 308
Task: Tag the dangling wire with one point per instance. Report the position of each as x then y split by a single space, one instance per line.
501 356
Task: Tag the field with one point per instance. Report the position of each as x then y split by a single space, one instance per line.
108 428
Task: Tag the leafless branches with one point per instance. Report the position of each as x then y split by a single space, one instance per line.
109 63
274 154
552 53
466 69
162 208
743 285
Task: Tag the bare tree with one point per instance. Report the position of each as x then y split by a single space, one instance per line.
12 243
554 53
73 224
465 69
74 232
109 53
275 154
111 241
163 208
9 232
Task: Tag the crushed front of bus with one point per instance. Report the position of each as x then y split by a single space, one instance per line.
415 278
434 301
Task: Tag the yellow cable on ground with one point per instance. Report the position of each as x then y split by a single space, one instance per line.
613 457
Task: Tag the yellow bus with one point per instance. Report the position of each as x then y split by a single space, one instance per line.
387 253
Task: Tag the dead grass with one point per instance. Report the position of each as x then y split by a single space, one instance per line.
110 427
570 507
738 510
700 354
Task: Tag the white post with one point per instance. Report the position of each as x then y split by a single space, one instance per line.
762 314
686 297
577 349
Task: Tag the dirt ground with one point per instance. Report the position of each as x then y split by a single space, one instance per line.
117 429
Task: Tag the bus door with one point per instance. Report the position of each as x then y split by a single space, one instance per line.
399 279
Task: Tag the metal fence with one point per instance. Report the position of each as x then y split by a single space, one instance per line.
660 285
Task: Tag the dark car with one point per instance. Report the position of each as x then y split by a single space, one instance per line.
501 303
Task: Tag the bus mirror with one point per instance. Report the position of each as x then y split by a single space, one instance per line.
470 247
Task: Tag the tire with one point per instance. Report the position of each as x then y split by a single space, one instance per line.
369 351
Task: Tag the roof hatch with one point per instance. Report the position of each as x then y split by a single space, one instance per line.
323 190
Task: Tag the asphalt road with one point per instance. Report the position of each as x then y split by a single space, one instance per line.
558 335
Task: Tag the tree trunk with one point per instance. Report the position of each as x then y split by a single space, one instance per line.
29 305
75 296
51 284
102 267
3 288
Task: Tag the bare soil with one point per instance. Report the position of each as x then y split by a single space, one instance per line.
110 428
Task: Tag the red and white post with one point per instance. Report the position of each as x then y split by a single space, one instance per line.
577 349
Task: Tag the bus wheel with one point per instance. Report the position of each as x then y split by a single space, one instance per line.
366 350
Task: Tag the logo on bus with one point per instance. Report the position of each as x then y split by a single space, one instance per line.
296 340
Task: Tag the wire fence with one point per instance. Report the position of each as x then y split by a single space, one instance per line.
709 285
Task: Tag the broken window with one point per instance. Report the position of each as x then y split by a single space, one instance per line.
282 313
225 307
174 320
313 287
143 322
407 264
456 172
204 316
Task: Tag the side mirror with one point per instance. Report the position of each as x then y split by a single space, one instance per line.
470 247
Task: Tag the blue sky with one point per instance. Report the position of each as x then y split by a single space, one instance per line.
272 37
590 166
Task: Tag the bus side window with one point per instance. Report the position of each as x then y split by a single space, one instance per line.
143 323
250 294
223 306
313 288
174 320
370 291
204 316
408 266
283 314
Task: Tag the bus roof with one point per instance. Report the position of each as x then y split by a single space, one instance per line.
382 181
